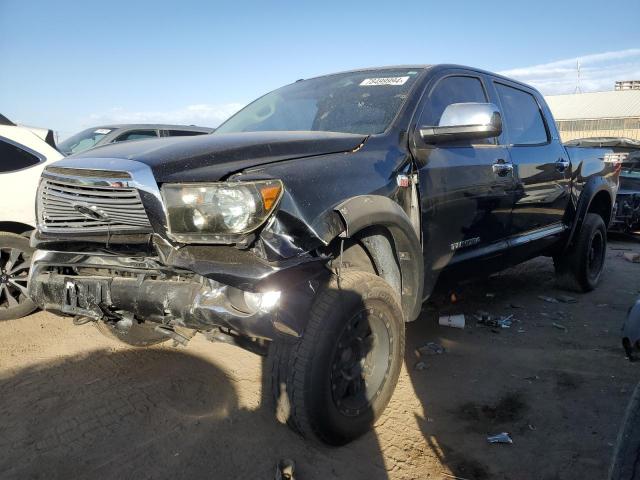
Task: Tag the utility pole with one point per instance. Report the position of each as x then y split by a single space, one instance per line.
578 88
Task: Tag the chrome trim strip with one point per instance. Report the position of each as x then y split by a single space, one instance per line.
538 234
85 172
507 243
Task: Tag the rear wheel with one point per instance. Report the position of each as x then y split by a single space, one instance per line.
581 267
15 261
338 378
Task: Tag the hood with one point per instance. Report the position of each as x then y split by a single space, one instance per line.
212 157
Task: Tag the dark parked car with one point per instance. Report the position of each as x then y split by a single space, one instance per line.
626 216
314 223
626 457
98 136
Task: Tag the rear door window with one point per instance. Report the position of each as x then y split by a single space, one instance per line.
13 157
522 116
137 135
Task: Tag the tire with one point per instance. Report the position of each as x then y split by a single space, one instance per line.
15 260
139 335
333 383
580 268
626 457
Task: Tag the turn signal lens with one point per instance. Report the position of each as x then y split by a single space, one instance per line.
270 195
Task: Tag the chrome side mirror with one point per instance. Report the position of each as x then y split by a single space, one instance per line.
464 121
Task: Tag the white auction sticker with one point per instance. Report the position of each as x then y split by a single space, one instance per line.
368 82
102 131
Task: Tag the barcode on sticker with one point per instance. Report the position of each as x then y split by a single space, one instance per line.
367 82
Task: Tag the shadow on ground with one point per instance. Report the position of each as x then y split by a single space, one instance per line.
174 413
149 413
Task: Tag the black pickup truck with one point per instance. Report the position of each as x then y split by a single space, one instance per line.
316 221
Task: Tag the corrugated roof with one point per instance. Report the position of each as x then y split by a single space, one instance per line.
613 104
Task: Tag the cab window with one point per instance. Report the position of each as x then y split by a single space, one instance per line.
451 90
137 135
182 133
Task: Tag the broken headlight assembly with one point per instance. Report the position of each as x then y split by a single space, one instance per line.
218 212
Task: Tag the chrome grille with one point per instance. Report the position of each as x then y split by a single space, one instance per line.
65 205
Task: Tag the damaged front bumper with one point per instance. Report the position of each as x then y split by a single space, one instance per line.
626 212
105 287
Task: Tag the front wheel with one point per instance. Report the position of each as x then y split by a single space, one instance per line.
338 378
15 261
581 267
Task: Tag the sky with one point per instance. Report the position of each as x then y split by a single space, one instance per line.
68 65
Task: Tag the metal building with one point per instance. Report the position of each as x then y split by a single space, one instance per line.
600 114
627 85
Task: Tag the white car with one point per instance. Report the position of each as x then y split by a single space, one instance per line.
24 152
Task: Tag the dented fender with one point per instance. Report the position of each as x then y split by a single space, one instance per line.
366 211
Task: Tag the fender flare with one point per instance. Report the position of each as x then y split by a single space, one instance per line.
365 211
591 188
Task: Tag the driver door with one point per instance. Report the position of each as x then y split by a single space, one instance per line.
466 200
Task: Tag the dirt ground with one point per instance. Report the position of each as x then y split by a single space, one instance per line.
76 405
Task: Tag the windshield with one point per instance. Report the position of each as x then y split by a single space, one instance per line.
360 102
82 141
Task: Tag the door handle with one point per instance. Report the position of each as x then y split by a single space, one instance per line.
562 164
502 168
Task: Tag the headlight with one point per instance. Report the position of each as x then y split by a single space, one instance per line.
216 212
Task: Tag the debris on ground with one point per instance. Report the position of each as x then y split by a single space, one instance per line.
490 295
500 438
560 327
488 321
558 299
632 257
285 470
455 321
548 299
431 348
566 299
453 477
420 366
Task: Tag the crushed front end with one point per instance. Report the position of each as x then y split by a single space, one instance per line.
109 250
